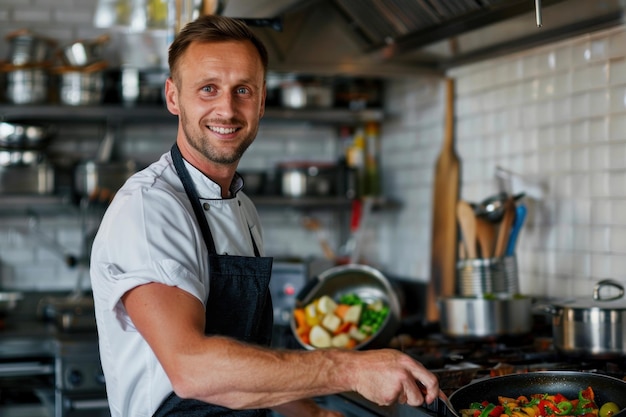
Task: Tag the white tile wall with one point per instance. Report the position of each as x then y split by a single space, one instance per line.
555 117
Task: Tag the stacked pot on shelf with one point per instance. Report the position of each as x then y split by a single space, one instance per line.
37 70
24 168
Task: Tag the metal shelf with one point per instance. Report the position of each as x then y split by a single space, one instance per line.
159 114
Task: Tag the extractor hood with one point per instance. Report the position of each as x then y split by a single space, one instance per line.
409 37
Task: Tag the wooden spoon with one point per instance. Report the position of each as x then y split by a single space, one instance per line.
486 236
504 230
467 220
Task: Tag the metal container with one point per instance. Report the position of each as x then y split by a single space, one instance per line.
366 282
487 276
9 301
594 327
27 179
82 53
482 317
81 86
24 135
94 176
27 85
27 48
306 93
19 157
308 179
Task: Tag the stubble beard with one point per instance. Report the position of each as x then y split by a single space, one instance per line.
201 143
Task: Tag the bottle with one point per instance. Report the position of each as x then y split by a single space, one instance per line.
372 159
356 160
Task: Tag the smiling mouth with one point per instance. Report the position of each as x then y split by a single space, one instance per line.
223 130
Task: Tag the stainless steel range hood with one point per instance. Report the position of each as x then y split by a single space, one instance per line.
408 37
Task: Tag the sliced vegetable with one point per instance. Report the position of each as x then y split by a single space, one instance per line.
331 322
353 314
319 337
326 305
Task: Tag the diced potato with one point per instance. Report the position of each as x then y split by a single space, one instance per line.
340 341
356 334
326 305
331 322
353 315
319 337
310 314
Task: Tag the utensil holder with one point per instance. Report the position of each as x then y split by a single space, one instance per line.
487 276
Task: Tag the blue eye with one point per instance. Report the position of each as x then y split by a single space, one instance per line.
208 89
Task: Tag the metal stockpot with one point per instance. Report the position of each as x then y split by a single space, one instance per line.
26 85
81 85
481 317
27 48
595 327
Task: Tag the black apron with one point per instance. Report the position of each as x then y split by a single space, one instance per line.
239 304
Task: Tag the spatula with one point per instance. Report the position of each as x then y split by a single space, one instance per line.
504 229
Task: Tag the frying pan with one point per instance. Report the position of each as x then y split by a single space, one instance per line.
568 383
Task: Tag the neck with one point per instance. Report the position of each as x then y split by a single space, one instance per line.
220 174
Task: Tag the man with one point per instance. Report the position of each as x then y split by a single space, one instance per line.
180 287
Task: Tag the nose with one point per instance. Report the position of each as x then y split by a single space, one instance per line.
225 105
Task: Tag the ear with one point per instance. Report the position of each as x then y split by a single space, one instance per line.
171 96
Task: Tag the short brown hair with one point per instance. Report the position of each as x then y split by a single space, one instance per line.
213 28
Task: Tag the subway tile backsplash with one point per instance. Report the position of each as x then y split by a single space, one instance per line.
554 118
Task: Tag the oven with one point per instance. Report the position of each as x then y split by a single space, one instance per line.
48 372
79 380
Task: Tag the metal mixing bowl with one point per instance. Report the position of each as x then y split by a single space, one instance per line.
366 282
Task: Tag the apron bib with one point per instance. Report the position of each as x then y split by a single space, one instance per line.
239 304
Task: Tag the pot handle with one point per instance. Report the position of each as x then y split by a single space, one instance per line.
607 283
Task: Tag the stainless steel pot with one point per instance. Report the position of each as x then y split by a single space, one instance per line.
482 317
308 179
27 179
92 177
24 135
27 48
80 87
26 85
9 301
82 53
595 326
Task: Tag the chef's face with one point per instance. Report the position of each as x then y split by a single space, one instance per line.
219 95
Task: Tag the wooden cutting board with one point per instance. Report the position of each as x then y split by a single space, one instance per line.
444 228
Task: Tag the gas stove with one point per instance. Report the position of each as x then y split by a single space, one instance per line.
458 362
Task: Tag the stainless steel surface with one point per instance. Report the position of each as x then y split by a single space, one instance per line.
24 135
81 88
26 47
9 301
84 52
366 282
591 326
26 85
308 179
92 176
487 276
372 37
38 178
479 317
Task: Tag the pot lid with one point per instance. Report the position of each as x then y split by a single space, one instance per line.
602 298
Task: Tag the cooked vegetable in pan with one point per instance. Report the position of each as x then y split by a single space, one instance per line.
543 405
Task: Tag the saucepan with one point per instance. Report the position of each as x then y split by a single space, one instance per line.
567 383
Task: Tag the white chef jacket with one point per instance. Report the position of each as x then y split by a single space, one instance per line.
149 234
